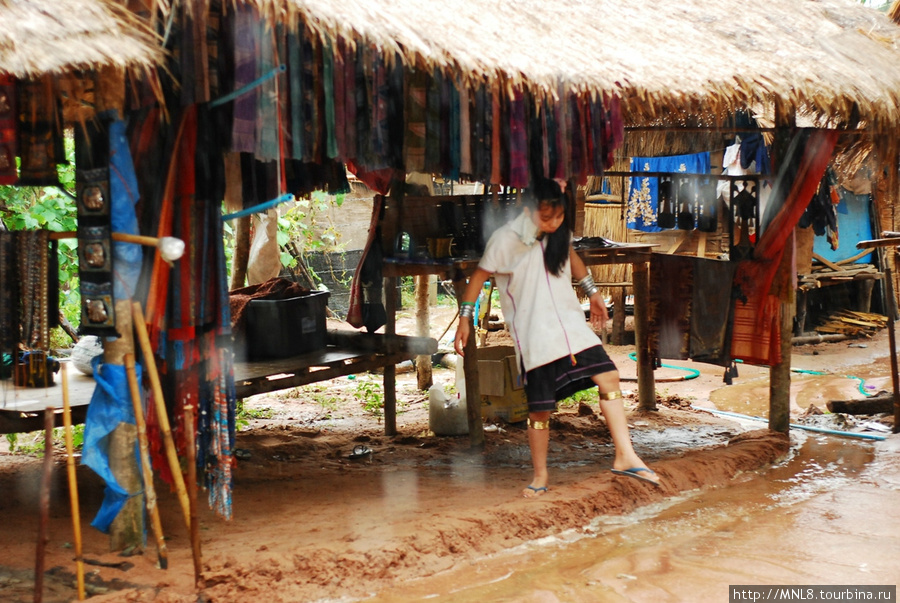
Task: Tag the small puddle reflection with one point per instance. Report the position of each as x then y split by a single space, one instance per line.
827 515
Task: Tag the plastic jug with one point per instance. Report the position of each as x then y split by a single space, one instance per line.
446 415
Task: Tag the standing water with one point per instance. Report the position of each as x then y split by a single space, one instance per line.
828 515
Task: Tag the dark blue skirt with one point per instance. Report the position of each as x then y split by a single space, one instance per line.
548 384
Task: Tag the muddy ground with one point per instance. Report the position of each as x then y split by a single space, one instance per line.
310 523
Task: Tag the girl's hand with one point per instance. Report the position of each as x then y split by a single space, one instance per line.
599 316
462 336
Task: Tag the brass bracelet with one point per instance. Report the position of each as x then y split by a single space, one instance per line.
539 425
611 395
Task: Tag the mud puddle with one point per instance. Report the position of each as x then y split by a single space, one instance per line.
826 515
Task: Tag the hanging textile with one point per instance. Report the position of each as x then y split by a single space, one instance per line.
416 116
351 141
8 136
482 138
465 132
643 195
690 308
432 163
366 291
194 353
757 311
267 98
246 30
519 176
40 132
331 145
9 293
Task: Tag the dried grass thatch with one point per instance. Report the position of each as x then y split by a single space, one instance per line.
662 59
57 36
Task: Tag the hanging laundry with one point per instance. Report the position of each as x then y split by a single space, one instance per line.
643 195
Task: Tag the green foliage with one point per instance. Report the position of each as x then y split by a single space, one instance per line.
587 396
370 396
33 442
306 227
244 415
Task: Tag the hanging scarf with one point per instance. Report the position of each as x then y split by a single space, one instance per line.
757 313
331 145
9 293
243 138
465 132
416 116
433 124
518 142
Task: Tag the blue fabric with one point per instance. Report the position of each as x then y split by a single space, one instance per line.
110 405
642 205
123 192
854 224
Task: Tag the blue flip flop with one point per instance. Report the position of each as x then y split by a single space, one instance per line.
536 491
635 472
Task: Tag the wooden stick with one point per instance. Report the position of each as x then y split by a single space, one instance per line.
892 339
140 328
44 505
192 493
73 483
162 551
122 237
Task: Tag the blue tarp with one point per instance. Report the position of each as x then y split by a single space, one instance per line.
110 406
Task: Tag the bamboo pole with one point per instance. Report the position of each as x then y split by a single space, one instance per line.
892 338
73 483
146 469
192 492
171 454
44 505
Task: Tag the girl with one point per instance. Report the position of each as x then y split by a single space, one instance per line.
533 262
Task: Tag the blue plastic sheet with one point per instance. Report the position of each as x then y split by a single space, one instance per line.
123 192
110 406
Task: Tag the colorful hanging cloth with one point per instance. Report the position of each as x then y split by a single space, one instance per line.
643 195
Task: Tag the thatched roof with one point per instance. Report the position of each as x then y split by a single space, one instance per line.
657 56
55 36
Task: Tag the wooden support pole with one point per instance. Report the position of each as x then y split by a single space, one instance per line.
390 371
146 468
127 529
159 402
780 373
44 505
73 482
241 257
617 336
191 446
424 376
470 370
892 338
640 275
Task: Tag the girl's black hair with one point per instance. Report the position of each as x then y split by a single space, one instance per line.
556 252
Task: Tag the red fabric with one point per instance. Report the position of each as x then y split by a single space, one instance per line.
8 138
757 320
355 310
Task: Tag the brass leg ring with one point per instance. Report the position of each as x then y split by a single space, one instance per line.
611 395
541 425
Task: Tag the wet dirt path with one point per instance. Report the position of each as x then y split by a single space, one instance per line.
827 515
